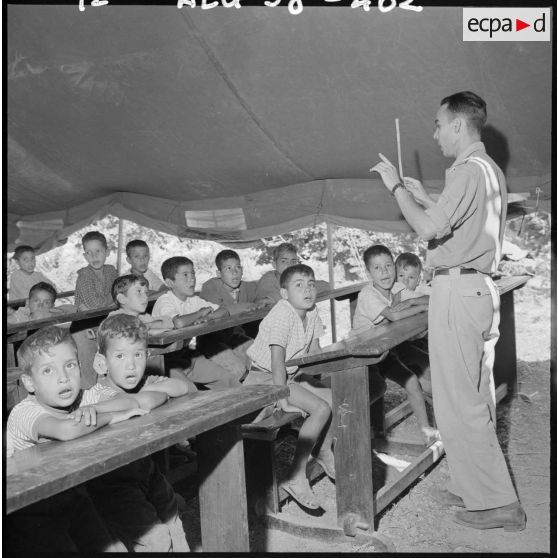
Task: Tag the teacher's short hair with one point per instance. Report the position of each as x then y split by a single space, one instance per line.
468 104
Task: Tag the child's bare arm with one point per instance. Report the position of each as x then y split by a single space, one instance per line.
88 413
150 399
394 315
419 300
173 387
65 429
221 312
159 323
189 319
315 346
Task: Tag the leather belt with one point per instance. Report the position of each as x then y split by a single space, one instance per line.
460 271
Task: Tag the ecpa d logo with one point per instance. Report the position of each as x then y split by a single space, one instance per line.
506 24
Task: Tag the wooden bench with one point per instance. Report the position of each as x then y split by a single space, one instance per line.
261 439
213 416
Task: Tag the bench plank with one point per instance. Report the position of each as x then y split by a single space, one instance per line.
40 471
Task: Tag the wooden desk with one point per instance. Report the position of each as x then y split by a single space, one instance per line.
213 416
171 336
347 364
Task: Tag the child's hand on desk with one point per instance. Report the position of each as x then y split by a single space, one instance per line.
121 416
205 311
200 321
402 306
87 414
40 314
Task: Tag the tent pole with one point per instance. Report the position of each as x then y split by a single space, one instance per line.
331 281
119 247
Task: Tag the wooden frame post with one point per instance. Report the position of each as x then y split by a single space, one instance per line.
330 266
119 246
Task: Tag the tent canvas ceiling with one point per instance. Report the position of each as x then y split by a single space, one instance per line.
241 123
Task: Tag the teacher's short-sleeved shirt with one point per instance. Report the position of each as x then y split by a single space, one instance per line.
470 214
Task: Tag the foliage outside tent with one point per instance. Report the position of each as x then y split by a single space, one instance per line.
531 233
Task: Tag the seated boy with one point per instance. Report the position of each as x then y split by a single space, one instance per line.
228 347
377 303
292 328
136 501
130 294
57 409
408 270
185 308
94 281
22 279
40 305
268 289
137 255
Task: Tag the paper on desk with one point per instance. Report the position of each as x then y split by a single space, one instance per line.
399 464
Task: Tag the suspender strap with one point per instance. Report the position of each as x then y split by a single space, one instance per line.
494 225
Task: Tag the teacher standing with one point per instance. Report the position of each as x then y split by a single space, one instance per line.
465 229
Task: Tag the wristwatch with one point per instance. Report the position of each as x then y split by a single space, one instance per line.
398 185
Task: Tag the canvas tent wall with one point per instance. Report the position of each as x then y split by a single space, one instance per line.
234 124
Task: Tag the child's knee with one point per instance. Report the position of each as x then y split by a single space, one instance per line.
156 539
323 408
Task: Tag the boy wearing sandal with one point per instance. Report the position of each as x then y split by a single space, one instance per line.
292 328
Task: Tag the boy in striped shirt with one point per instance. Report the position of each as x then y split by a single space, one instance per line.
58 409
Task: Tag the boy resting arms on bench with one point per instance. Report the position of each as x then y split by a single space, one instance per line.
291 329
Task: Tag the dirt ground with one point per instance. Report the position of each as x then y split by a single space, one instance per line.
415 522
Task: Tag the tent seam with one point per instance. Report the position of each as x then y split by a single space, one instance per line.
235 91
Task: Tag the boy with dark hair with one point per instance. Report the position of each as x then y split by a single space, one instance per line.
228 347
268 287
40 304
378 302
408 268
291 329
136 501
130 294
185 308
22 279
137 255
57 409
228 288
94 281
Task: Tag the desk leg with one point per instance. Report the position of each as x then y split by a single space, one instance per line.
353 450
10 356
223 507
505 359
